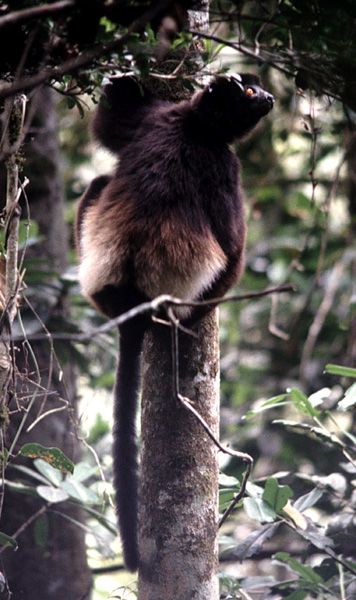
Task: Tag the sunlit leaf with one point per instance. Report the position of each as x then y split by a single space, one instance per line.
228 481
50 473
292 513
302 402
318 397
322 435
53 456
276 495
308 500
340 370
349 400
30 473
76 490
259 510
83 471
52 494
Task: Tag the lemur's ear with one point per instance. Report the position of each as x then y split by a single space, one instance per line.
236 78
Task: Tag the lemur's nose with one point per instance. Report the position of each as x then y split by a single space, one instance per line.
270 99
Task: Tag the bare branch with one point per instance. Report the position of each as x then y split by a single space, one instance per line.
26 524
240 48
34 12
84 59
164 301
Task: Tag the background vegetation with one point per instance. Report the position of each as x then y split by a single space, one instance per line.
283 399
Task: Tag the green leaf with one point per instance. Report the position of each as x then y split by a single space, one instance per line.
83 471
305 572
276 495
322 435
51 474
302 403
225 497
259 510
52 494
30 473
268 404
349 399
228 481
20 488
53 456
315 536
253 543
340 370
79 492
308 500
6 540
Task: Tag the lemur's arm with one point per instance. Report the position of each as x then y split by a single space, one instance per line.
122 107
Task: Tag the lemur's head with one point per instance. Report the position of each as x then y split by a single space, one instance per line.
231 105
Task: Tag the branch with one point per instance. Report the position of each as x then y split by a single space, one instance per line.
240 48
333 283
85 59
164 301
36 11
26 524
14 136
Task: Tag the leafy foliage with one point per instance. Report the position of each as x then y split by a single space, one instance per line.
287 363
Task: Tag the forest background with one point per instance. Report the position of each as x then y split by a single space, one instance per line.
287 360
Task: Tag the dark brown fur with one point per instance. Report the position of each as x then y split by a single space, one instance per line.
169 220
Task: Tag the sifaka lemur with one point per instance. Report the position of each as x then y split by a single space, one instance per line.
169 220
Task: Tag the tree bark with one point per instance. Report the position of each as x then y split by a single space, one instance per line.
178 502
56 567
179 469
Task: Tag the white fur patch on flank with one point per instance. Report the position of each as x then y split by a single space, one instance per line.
101 262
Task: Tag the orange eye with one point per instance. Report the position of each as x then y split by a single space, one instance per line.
249 92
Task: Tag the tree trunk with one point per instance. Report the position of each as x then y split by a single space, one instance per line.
52 565
178 514
351 193
179 469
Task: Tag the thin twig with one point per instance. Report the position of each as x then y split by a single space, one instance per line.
34 396
240 48
46 414
51 355
26 524
17 16
85 58
164 301
331 287
2 492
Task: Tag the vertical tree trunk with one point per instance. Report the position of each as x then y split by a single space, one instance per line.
179 470
351 173
178 520
55 567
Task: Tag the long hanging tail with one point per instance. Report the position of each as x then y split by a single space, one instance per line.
125 445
